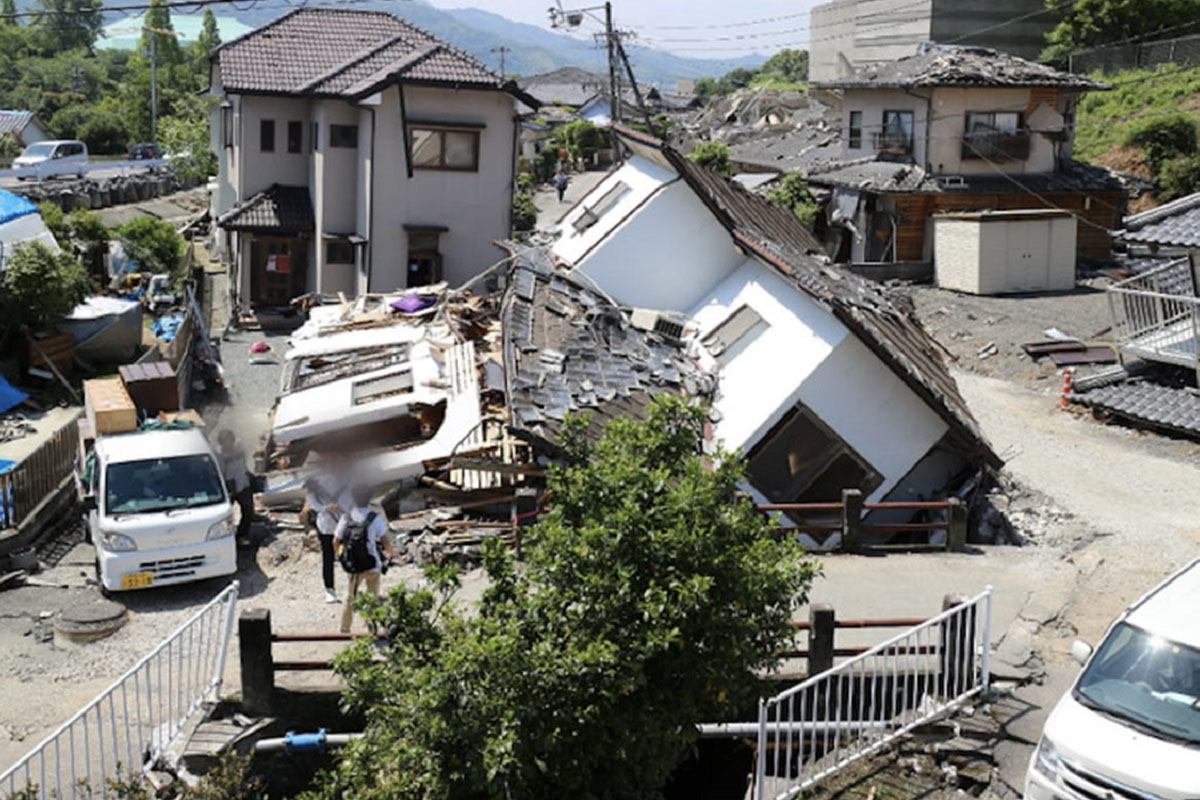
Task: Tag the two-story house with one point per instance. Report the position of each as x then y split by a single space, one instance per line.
357 153
958 129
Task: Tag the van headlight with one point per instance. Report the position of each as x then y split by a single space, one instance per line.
220 529
1046 760
116 542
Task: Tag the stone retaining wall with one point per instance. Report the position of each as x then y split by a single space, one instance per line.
102 193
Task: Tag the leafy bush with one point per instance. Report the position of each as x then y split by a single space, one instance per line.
524 182
1163 137
1179 176
651 596
524 213
104 132
1102 119
792 193
153 244
40 285
715 156
56 222
581 138
186 139
9 146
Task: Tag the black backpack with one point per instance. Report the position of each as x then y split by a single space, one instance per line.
356 554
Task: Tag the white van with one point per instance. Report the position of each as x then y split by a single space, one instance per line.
55 157
157 510
1129 729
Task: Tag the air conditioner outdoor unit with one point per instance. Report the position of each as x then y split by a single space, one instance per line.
665 323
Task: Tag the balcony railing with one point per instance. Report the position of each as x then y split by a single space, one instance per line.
1156 315
894 144
996 145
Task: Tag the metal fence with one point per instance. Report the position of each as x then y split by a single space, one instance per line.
833 719
130 724
37 476
1156 314
1182 50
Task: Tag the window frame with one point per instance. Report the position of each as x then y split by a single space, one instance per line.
976 113
750 331
295 136
854 130
338 244
908 146
441 131
589 215
266 136
343 130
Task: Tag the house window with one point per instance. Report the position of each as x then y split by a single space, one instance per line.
343 136
739 330
996 136
442 148
266 135
993 121
227 125
313 139
295 135
339 251
802 460
424 260
854 135
897 134
592 214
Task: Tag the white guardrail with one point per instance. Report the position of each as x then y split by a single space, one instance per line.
129 725
832 719
51 169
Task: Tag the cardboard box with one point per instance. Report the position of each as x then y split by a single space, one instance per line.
59 349
186 415
152 385
108 406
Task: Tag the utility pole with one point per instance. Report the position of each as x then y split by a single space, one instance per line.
502 50
571 19
614 83
153 85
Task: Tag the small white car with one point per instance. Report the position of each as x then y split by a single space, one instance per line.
54 157
1129 729
157 510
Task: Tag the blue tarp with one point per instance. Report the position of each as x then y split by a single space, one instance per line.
13 206
7 514
167 326
10 396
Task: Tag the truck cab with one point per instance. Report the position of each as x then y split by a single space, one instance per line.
157 510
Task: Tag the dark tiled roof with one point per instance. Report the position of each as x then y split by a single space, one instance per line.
567 350
343 52
870 174
1170 408
884 321
570 86
948 65
1176 224
282 209
13 122
805 148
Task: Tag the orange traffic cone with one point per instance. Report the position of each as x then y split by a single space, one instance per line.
1068 385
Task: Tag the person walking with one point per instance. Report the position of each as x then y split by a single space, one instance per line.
237 480
322 512
560 181
360 535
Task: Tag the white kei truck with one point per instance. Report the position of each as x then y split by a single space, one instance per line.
156 509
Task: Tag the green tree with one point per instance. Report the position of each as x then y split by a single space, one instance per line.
210 37
8 7
1179 176
9 146
153 244
714 155
104 132
1162 137
40 286
158 32
1088 23
69 24
652 595
55 222
186 137
524 213
706 88
792 193
790 65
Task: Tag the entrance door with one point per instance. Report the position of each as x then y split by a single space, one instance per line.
1028 256
277 270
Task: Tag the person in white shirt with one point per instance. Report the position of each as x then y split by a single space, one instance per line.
361 534
237 480
322 511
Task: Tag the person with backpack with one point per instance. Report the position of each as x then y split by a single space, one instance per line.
360 535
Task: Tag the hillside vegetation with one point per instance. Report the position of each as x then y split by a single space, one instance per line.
1105 119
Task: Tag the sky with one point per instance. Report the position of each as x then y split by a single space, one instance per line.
698 28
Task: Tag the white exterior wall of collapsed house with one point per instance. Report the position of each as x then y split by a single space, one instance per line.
659 247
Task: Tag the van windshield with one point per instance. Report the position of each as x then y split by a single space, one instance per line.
41 149
162 484
1151 683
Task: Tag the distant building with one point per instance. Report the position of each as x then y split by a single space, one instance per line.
23 126
847 34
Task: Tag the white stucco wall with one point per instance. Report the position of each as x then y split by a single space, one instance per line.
949 119
808 356
873 102
258 169
659 231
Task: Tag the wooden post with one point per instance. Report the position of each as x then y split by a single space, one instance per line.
958 648
258 667
852 508
820 638
956 526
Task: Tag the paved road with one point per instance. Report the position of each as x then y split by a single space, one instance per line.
96 174
550 210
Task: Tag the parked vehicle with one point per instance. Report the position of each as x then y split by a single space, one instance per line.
143 151
1129 729
157 509
55 157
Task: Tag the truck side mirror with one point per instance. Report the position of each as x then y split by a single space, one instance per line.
1081 651
88 503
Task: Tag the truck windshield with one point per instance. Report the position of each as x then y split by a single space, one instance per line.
1151 683
162 484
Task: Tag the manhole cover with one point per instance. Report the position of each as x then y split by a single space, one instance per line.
87 623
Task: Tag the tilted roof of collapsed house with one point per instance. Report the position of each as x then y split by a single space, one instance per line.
568 349
950 65
276 209
1175 224
884 321
350 53
878 175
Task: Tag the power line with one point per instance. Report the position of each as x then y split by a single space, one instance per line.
744 24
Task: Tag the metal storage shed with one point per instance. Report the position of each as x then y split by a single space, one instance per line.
996 252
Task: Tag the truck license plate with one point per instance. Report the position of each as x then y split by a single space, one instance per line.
137 580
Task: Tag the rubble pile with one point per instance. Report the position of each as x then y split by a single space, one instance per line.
14 427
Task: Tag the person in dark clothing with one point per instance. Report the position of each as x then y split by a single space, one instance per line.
237 481
560 184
